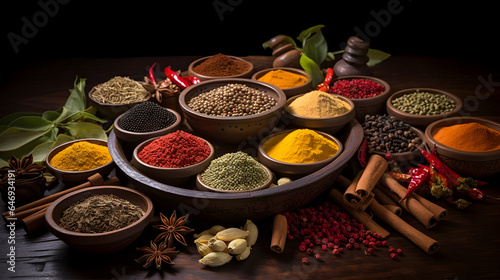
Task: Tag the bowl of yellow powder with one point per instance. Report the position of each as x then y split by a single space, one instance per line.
468 145
299 151
73 162
292 81
319 110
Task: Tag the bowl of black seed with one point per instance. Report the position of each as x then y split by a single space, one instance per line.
145 121
392 138
232 110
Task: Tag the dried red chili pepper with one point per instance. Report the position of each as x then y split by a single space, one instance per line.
151 74
176 79
193 80
363 153
400 177
418 177
325 85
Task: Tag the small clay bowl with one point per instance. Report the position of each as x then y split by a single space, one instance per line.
99 243
134 138
421 121
371 105
474 164
329 125
286 168
289 92
77 177
414 155
112 111
204 187
246 74
172 176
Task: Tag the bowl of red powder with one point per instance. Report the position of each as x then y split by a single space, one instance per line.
220 66
468 145
174 158
368 94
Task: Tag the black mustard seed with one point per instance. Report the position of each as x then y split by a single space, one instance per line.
147 117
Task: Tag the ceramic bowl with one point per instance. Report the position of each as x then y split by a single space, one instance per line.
285 168
232 129
289 92
414 155
421 121
204 187
134 138
473 164
192 65
112 111
371 105
99 243
77 177
173 176
328 125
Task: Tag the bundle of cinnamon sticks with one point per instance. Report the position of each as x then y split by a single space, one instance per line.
32 215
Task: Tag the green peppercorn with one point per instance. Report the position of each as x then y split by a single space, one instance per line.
424 103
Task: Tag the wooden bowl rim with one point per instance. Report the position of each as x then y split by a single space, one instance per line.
374 79
123 131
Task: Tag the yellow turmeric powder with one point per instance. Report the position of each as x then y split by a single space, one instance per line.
283 79
318 104
300 146
81 156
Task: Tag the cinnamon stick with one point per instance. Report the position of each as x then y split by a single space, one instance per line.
350 196
410 204
424 242
23 214
280 227
386 201
438 211
358 214
375 168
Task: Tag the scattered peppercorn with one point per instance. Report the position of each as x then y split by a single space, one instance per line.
357 88
146 117
305 260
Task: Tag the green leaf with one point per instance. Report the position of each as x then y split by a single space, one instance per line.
41 151
26 149
5 121
51 115
64 113
376 56
14 138
312 69
61 139
76 101
81 130
308 32
83 115
33 123
315 47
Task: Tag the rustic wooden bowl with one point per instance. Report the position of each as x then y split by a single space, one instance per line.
134 138
328 125
414 155
473 164
246 74
231 129
99 243
112 111
237 207
77 177
285 168
289 92
421 121
371 105
173 176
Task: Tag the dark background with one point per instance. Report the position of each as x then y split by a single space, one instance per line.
463 29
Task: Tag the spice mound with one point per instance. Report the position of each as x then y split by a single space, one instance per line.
357 88
81 156
232 100
100 213
221 65
236 172
424 103
283 79
385 134
175 150
470 137
318 104
147 117
300 146
120 90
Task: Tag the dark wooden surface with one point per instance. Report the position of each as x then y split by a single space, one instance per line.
469 239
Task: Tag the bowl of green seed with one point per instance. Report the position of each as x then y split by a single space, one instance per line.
422 106
117 95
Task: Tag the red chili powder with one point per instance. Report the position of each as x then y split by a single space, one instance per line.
175 150
221 65
357 88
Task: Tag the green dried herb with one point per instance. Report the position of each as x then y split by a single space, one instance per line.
120 90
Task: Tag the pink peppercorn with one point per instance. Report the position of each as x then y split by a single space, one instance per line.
336 251
305 260
348 246
356 245
323 247
309 251
357 88
371 244
393 256
369 251
399 251
324 240
318 256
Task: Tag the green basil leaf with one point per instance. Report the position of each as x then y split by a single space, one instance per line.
76 101
376 56
308 32
14 138
34 123
315 47
312 69
81 130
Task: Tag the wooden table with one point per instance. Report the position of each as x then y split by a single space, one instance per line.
468 239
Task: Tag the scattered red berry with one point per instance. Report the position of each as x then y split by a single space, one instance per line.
305 260
318 256
348 246
336 251
393 256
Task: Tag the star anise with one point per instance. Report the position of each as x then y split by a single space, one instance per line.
23 168
162 89
156 254
173 228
